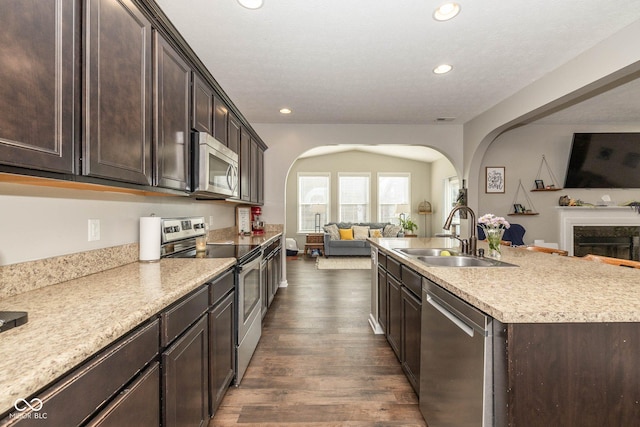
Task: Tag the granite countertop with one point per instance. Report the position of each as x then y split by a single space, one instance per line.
543 289
71 321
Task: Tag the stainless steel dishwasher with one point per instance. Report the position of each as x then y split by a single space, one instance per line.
456 363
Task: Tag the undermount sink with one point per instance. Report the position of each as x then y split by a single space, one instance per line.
425 251
462 261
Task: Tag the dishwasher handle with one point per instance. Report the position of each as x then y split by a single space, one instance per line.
449 315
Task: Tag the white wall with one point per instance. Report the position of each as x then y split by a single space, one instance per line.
520 150
287 142
41 222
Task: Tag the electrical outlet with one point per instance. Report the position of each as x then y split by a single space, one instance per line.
94 230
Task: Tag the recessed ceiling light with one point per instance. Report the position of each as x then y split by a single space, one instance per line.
251 4
442 69
285 111
446 11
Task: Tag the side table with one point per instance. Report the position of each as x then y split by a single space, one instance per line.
314 241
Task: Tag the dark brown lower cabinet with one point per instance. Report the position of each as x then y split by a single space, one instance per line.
185 385
382 299
394 321
573 374
222 360
138 405
410 342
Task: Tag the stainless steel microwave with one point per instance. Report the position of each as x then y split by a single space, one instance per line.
215 168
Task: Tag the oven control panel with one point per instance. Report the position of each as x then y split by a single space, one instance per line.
174 229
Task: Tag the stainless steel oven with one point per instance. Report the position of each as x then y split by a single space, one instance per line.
249 313
215 168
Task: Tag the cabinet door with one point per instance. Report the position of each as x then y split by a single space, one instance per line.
254 172
171 128
117 122
37 81
202 106
233 140
394 321
137 405
185 382
382 299
245 165
260 176
222 360
410 342
220 118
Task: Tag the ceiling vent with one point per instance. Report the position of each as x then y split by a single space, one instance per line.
445 119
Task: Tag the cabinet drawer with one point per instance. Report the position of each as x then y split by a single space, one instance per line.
393 267
412 280
137 405
176 319
76 396
315 238
220 287
382 259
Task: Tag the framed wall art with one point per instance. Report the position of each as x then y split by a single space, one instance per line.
494 179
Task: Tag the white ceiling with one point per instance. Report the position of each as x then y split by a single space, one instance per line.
411 152
370 61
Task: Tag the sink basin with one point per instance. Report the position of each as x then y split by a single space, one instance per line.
425 251
462 261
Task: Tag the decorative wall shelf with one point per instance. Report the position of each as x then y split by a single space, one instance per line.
519 208
539 183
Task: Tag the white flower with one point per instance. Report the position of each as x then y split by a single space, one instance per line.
492 221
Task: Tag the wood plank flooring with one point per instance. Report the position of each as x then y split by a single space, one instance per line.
318 362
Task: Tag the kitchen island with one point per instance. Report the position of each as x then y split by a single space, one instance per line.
569 338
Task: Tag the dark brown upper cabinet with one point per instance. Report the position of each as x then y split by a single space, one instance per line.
234 133
117 116
202 105
37 84
220 119
245 165
171 106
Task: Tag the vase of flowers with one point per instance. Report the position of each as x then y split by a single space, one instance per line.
493 227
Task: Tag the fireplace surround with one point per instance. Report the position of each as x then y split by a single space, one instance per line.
604 230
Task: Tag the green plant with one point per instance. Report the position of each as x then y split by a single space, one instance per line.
408 225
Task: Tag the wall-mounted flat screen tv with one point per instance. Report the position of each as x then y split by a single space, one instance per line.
604 160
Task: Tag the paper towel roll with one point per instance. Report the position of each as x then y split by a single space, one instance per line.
150 238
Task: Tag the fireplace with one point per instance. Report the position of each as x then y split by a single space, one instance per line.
609 231
612 241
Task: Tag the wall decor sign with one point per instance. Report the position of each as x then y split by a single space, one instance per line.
494 179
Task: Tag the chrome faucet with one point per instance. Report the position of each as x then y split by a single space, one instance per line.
469 246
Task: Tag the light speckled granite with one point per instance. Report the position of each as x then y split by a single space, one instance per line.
543 289
27 276
70 321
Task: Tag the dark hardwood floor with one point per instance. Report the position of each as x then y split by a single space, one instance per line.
318 362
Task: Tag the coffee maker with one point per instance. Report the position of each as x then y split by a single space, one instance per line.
257 225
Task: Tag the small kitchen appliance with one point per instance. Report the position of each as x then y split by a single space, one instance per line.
257 225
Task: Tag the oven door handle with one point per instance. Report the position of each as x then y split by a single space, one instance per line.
251 263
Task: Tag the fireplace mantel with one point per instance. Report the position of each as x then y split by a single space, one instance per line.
571 216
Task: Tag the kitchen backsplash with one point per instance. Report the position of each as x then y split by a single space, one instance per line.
30 275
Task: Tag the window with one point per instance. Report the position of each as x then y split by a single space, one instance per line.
451 190
313 198
393 190
353 197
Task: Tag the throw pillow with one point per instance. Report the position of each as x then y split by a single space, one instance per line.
375 232
333 232
360 232
346 234
391 230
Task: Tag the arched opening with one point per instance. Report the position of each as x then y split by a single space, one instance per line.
362 183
